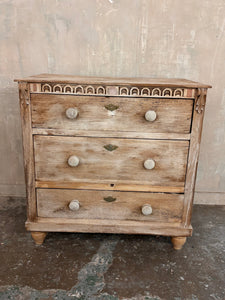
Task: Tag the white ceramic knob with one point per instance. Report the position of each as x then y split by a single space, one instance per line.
74 205
73 161
149 164
146 209
72 113
150 115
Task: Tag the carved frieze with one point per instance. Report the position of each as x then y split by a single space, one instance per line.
127 91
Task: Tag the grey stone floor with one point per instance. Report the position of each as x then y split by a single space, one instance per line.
104 266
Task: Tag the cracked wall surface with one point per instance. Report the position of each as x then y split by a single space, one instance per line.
168 38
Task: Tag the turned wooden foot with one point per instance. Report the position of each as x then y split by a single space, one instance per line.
38 237
178 242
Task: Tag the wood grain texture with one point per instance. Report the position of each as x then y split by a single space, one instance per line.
167 82
109 185
108 226
193 156
126 206
115 134
125 164
27 149
173 115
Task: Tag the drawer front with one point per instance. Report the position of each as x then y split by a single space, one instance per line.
128 161
55 203
111 113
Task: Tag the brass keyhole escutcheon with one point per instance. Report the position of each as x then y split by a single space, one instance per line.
110 147
111 107
109 199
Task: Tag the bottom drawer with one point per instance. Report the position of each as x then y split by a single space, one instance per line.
56 203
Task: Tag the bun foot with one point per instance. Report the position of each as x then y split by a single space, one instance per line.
38 237
178 242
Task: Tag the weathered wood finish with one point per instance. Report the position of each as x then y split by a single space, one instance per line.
125 206
196 133
115 134
103 123
49 111
164 82
108 226
108 185
24 95
125 164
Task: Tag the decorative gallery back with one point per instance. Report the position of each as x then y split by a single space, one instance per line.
116 155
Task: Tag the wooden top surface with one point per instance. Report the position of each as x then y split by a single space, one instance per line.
166 82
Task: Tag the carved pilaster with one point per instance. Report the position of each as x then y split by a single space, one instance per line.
24 93
25 109
201 99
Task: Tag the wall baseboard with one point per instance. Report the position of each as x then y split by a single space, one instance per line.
12 190
209 198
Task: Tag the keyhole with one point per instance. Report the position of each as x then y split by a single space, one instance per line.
112 184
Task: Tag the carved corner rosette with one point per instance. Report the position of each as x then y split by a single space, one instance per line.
24 93
201 100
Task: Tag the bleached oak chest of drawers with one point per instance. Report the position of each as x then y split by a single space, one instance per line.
110 155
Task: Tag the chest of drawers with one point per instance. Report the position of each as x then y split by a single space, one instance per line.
113 155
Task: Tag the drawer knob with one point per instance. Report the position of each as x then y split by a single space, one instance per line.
150 115
72 113
74 205
73 161
149 164
146 210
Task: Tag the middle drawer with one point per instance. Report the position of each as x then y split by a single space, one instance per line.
107 160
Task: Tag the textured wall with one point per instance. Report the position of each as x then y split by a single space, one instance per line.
167 38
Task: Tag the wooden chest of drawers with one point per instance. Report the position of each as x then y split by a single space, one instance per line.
110 155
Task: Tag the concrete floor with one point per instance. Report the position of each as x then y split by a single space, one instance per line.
104 266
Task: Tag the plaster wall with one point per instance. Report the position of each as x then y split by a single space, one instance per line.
150 38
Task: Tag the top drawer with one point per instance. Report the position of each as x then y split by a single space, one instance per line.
111 113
